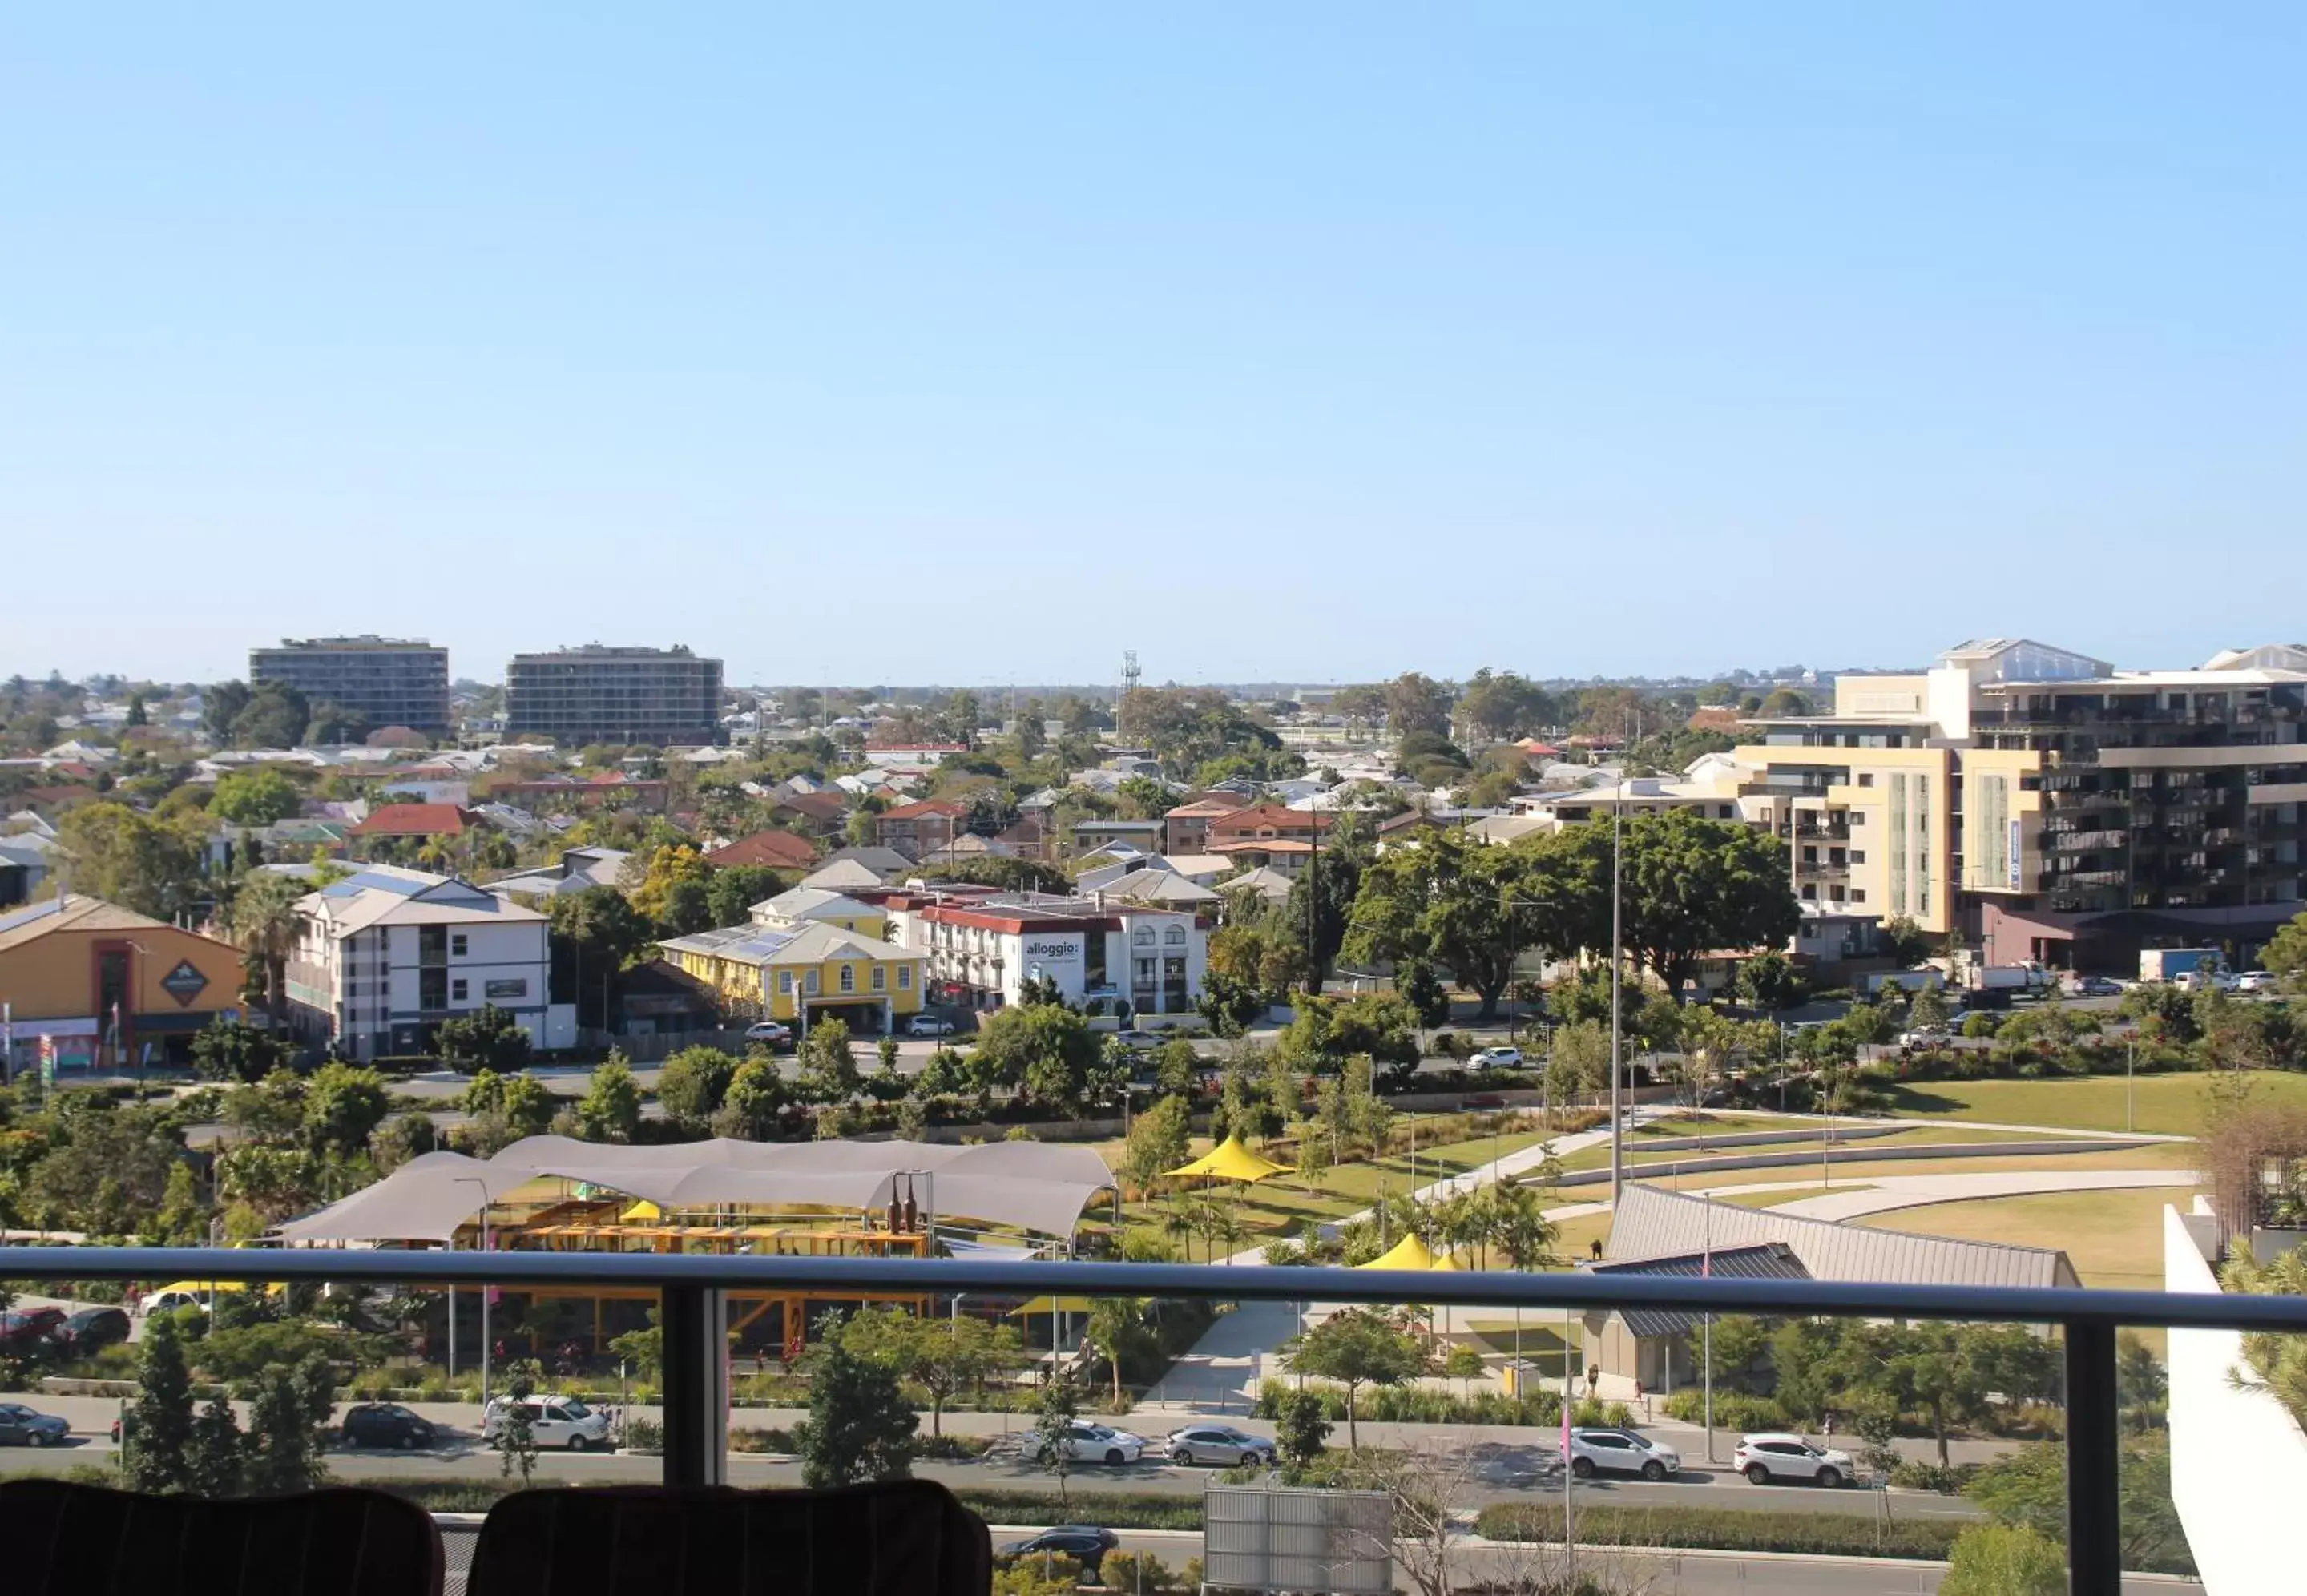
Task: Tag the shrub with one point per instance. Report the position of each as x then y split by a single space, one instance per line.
1733 1410
1929 1475
647 1435
1417 1404
1724 1529
765 1439
1117 1510
2004 1560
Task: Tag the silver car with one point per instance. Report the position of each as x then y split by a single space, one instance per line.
1219 1443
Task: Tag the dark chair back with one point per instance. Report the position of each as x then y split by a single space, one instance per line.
901 1538
60 1538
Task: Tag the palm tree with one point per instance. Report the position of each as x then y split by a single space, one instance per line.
1114 1323
263 925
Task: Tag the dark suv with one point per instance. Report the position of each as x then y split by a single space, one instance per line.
387 1424
93 1328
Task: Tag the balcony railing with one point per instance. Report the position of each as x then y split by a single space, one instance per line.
693 1318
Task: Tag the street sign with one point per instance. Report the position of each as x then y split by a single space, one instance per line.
184 982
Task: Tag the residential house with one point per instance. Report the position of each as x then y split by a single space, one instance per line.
918 829
1269 836
412 823
1185 830
804 969
776 850
578 870
1091 835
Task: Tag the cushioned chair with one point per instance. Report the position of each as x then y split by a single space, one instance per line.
902 1538
59 1538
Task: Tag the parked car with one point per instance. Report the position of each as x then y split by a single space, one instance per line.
2095 986
1924 1036
1220 1444
387 1424
1099 1443
553 1420
20 1426
30 1327
1775 1455
1136 1038
1601 1451
2255 981
1495 1058
1086 1543
774 1034
929 1025
91 1329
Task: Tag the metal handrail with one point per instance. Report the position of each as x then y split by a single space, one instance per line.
1228 1282
693 1318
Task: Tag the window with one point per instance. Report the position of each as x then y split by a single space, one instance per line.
1142 933
880 978
904 978
1858 894
457 943
1175 934
1857 855
784 983
849 978
456 992
809 983
1865 779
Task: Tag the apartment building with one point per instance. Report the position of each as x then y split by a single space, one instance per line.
2041 804
383 956
603 694
920 830
981 949
386 681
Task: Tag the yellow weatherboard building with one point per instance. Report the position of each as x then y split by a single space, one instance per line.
806 954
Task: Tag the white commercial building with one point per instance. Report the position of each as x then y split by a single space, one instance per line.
384 956
982 950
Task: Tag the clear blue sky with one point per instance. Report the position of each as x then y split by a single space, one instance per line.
979 343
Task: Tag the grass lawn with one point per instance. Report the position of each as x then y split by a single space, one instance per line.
1772 1200
2168 1104
1595 1158
2114 1238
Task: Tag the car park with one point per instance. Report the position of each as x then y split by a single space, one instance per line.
93 1329
929 1025
774 1034
1219 1443
1086 1543
561 1421
1610 1450
387 1424
1495 1058
1776 1455
20 1426
1086 1442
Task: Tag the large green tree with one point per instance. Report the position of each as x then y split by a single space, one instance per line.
1321 902
1692 884
130 859
859 1427
1358 1347
159 1431
257 797
691 1085
1466 907
597 935
262 922
1045 1049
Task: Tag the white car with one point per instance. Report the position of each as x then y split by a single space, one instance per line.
1776 1455
2255 981
1100 1444
1926 1037
1621 1452
929 1025
1495 1058
561 1421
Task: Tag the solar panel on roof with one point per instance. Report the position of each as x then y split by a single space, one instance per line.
30 912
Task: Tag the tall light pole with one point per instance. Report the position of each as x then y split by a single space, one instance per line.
485 1289
1618 1123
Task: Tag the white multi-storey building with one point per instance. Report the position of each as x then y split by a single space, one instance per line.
982 950
384 956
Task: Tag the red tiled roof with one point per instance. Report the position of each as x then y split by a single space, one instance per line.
817 806
917 748
1265 845
1276 816
1214 803
780 850
414 820
925 809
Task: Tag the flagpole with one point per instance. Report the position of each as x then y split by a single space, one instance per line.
1569 1520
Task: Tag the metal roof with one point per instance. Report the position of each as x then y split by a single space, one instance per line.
1772 1260
1651 1223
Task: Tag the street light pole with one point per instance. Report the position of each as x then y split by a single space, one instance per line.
1617 1122
2130 1079
475 1180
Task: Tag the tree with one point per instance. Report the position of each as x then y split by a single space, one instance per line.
515 1440
1117 1328
1770 980
1322 900
1417 703
138 714
2286 954
2142 1389
107 1175
827 1062
159 1428
344 1104
1159 1140
1466 906
522 1103
1048 1051
226 1049
488 1038
289 1427
1928 1011
756 1098
1358 1347
263 924
1500 705
1053 1426
1175 1064
258 797
128 858
214 1466
273 717
859 1427
734 889
596 935
1692 884
1904 941
691 1085
1739 1342
668 884
2001 1560
610 1109
942 1356
1300 1430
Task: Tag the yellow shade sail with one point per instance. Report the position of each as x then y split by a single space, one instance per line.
1447 1261
1048 1305
642 1213
1231 1160
1408 1253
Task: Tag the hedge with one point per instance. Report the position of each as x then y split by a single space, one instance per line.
1420 1404
1728 1529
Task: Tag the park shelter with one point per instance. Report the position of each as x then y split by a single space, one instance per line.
1408 1253
1231 1160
